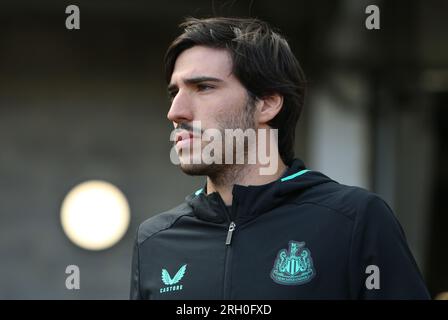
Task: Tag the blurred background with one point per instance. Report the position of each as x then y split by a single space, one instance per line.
91 104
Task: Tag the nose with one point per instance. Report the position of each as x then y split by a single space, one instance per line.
181 109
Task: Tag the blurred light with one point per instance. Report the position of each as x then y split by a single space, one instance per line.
442 296
95 215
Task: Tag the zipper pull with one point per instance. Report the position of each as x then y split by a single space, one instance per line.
230 232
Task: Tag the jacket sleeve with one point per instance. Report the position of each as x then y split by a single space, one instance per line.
135 272
381 265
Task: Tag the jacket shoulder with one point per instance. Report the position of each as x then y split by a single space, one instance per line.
161 221
349 201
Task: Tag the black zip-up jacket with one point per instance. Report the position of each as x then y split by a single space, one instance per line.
303 236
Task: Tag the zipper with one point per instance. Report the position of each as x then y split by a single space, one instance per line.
230 233
228 250
228 261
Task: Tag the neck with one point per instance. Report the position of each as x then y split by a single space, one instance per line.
245 175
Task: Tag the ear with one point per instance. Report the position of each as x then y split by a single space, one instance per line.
268 107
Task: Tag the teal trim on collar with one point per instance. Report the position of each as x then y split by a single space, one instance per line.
292 176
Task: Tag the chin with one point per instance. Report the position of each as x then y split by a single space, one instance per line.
196 169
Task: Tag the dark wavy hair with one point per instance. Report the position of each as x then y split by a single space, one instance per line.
262 61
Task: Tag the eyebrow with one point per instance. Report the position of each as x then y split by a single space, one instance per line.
194 80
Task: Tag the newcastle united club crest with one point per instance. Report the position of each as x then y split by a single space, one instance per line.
293 266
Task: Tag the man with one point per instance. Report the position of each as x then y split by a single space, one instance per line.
283 233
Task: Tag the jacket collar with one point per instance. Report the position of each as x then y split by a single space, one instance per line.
251 201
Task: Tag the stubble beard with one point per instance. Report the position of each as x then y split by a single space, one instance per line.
224 173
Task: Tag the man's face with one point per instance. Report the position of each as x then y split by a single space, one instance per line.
204 89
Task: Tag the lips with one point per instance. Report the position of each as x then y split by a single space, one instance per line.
183 136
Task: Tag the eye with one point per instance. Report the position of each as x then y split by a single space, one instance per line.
204 87
172 94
